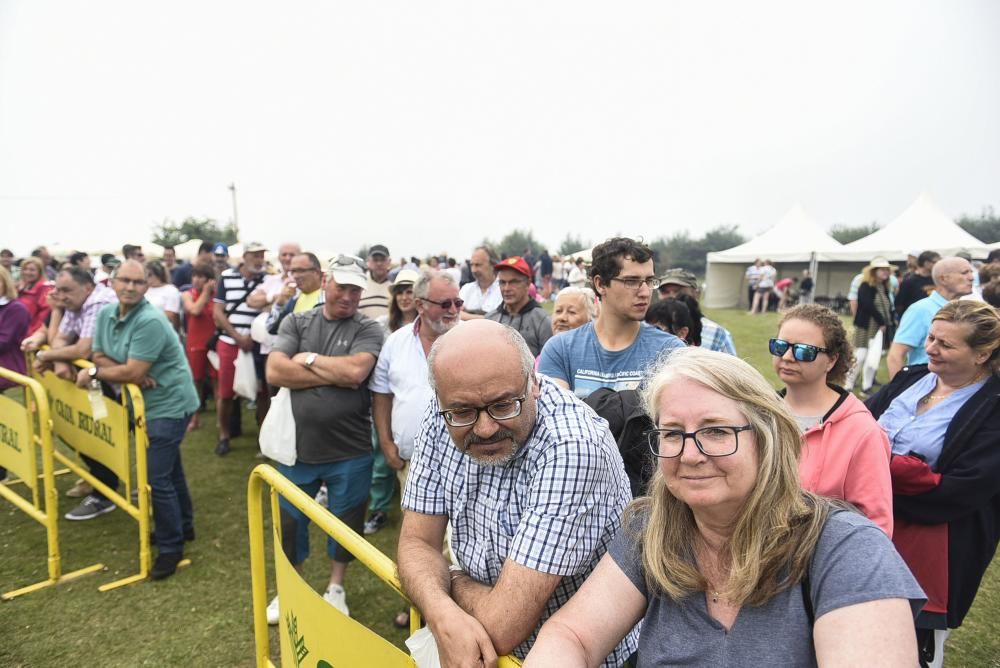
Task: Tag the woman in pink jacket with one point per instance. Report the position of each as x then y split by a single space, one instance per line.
845 453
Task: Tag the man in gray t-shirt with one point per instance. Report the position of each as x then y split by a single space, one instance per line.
325 357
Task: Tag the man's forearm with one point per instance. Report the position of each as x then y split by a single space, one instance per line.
284 372
68 353
113 372
423 573
896 359
471 595
382 415
343 371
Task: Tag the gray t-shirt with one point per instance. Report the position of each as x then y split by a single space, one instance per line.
331 423
854 563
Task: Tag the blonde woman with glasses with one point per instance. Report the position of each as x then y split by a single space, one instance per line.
728 561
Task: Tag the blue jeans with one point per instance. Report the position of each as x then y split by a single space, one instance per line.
173 513
347 485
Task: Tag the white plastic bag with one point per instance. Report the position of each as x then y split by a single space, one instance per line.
277 433
423 649
874 353
245 380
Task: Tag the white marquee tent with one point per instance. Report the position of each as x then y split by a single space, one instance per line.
922 226
796 242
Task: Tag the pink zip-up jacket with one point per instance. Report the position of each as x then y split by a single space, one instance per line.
846 456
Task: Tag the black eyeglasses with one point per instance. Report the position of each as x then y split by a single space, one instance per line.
446 304
802 352
505 409
634 283
715 441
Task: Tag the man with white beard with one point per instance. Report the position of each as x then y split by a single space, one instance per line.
399 386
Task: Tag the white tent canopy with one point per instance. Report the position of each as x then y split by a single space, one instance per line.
922 226
187 250
793 239
796 238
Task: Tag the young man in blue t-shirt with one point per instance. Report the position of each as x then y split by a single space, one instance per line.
614 350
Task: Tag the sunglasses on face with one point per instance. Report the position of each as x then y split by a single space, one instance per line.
446 304
802 352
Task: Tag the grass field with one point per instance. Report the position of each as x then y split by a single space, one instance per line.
201 616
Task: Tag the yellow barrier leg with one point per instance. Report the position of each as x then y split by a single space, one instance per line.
67 577
258 573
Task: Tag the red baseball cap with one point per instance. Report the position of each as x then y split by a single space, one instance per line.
516 263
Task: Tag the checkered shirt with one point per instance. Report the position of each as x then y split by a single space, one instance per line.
716 337
555 507
83 323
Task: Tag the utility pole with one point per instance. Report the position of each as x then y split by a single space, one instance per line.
236 220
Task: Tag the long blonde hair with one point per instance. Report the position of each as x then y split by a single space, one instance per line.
774 535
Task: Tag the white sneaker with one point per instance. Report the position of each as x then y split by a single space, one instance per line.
272 611
321 496
336 597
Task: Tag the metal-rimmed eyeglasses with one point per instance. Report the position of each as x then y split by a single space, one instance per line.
634 284
446 304
714 441
505 409
802 352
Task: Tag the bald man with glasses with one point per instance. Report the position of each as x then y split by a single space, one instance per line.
532 483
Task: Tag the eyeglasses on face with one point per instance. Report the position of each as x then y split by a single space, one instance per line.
802 352
446 304
505 409
714 441
633 284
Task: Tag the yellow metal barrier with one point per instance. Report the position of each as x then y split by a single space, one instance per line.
26 429
106 440
309 626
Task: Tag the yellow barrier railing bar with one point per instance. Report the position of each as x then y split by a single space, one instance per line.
40 431
370 556
141 513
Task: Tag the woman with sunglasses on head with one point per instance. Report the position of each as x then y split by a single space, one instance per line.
845 454
943 422
728 561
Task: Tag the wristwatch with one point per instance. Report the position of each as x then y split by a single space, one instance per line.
92 372
310 359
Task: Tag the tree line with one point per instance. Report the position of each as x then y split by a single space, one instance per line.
677 250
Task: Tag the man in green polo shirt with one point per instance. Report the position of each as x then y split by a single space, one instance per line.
134 343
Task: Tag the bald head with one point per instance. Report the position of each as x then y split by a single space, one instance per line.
481 372
953 277
475 348
131 268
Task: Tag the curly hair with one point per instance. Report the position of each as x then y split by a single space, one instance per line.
834 337
606 258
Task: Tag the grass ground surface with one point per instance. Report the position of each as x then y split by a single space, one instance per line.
201 616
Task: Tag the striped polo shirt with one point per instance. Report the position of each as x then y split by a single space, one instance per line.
233 291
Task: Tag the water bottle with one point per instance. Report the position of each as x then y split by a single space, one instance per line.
97 406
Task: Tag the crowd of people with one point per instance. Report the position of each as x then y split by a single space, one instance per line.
606 485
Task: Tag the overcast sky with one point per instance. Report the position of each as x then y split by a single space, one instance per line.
429 125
